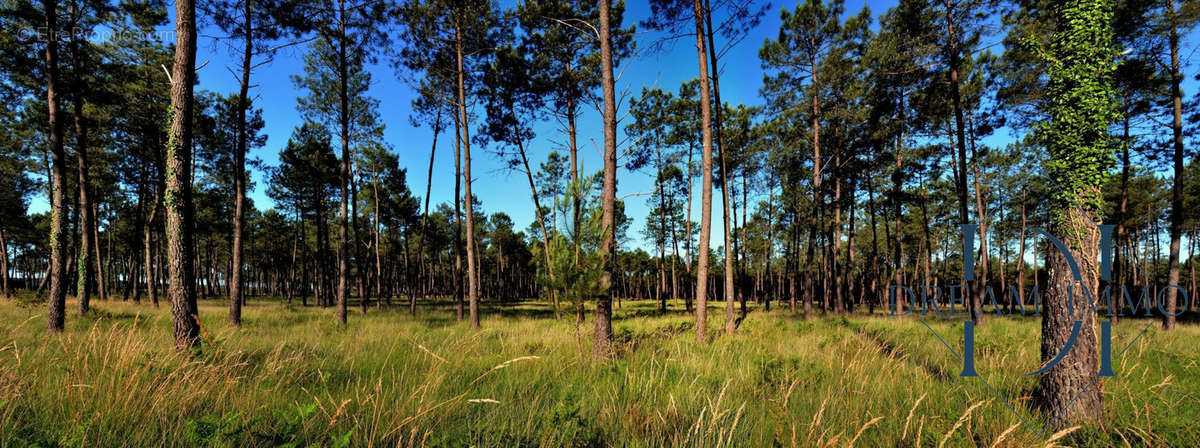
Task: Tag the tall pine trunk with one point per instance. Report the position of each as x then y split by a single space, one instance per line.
706 141
814 219
608 197
239 173
472 276
178 198
343 263
730 255
58 201
1081 106
960 140
84 267
1176 228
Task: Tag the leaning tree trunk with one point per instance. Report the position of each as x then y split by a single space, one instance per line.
437 128
178 198
730 324
537 205
458 243
58 224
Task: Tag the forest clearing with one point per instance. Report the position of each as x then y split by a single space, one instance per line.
292 376
549 223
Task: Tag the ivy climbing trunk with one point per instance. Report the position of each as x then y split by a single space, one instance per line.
1081 105
58 201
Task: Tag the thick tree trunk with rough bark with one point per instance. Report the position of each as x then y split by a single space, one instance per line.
1070 382
1081 106
178 197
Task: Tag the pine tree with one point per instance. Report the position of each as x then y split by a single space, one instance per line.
1081 105
602 346
805 39
466 30
178 196
514 101
259 24
336 83
1176 21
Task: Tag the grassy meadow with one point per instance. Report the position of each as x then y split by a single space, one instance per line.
292 377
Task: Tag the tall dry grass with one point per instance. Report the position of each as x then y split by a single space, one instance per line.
290 376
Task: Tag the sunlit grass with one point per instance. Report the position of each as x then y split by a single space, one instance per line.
291 375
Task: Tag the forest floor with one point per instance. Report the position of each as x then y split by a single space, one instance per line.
291 376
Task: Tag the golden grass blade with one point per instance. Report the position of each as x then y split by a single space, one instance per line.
960 422
1004 434
864 428
910 415
1058 435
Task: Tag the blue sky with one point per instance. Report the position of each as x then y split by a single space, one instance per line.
497 188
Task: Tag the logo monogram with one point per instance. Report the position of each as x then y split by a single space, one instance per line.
954 297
